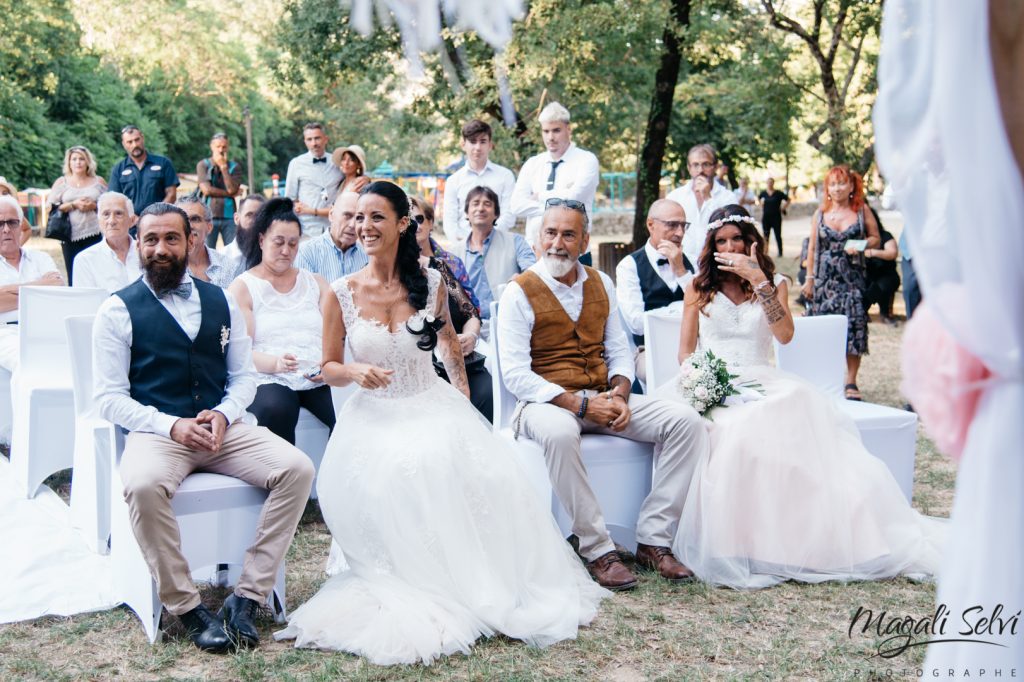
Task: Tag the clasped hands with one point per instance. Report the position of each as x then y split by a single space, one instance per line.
204 433
610 410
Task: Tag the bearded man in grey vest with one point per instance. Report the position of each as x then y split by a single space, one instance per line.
492 257
172 361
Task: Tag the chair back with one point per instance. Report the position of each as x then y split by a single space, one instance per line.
42 336
79 333
817 352
661 346
504 400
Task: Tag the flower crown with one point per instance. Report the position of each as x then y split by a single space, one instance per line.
734 218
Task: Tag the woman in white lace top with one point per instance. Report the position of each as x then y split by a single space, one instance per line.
283 308
788 491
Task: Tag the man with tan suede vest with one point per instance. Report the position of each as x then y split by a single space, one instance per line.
564 354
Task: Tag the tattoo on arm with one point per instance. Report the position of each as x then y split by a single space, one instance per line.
773 310
448 349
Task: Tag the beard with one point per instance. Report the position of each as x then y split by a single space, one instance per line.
558 263
165 275
243 237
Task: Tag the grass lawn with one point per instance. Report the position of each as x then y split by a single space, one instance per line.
659 631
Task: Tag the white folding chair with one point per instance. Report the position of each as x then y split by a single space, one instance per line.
817 354
661 346
95 443
311 436
42 439
619 470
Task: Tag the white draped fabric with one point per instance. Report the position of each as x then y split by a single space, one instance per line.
942 143
47 569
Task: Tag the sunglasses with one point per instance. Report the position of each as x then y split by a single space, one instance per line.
570 204
418 219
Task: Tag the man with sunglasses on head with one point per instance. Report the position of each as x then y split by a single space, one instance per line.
700 197
564 355
654 276
143 177
492 256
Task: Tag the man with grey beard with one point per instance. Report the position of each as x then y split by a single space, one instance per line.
564 355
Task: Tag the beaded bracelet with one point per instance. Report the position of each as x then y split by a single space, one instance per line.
583 408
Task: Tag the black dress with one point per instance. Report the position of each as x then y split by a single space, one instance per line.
839 282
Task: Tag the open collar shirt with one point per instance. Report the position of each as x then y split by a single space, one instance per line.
457 186
99 267
515 330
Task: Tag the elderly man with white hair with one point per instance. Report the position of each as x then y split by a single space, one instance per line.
112 264
18 267
563 171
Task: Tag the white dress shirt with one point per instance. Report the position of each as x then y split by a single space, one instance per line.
111 358
631 298
32 266
576 178
515 328
314 184
693 240
99 267
458 185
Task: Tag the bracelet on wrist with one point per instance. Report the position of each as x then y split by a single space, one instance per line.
583 408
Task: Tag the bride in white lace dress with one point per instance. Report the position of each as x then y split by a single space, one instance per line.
788 492
446 539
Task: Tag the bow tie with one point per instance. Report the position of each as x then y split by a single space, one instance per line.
662 261
322 159
184 290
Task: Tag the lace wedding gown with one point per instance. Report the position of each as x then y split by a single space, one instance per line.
446 539
788 491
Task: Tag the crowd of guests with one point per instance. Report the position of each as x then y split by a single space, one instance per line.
285 263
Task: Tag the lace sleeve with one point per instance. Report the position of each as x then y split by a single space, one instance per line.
344 294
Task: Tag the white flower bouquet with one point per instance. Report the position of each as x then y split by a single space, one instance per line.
705 382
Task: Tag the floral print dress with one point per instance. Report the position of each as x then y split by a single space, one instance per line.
839 282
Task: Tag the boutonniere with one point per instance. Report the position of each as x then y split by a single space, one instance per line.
225 336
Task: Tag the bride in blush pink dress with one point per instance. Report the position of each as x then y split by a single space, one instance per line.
788 491
446 539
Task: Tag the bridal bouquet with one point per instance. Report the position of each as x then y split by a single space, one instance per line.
705 382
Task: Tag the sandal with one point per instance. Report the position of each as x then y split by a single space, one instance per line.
852 392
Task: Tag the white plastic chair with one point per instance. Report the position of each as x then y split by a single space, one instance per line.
311 436
6 408
661 346
95 443
619 470
817 354
42 439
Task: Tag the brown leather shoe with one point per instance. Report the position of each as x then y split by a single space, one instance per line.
609 572
660 559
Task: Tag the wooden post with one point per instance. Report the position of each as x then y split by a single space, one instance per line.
248 146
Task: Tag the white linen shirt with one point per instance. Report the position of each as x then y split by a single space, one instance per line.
631 297
458 185
576 178
111 358
693 240
33 265
99 267
314 184
515 328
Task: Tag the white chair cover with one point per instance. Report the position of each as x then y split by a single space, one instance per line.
938 127
42 441
661 346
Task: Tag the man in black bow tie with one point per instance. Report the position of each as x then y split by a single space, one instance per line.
172 361
656 275
312 182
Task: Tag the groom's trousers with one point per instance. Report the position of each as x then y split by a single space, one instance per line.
152 468
680 439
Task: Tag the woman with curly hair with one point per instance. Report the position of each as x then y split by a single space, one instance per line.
446 539
841 231
788 491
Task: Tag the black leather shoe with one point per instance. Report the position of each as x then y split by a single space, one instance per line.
239 614
206 630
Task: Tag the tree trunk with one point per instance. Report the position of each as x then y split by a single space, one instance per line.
652 152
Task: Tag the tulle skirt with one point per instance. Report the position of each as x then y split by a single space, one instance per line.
789 492
446 539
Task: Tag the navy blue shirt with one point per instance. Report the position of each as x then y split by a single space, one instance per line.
146 186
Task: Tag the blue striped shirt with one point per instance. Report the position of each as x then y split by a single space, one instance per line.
322 256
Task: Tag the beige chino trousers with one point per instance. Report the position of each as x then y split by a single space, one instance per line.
680 436
152 468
